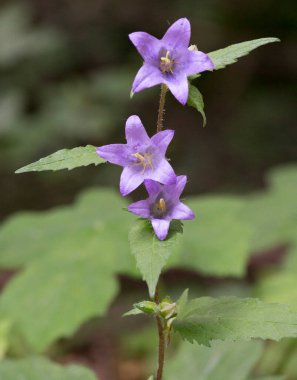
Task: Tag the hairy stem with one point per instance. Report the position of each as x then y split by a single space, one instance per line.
161 340
161 107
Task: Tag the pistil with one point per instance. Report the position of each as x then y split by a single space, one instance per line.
159 207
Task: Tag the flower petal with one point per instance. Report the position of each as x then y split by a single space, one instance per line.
115 153
162 140
130 180
140 208
178 35
182 212
161 227
163 173
147 76
153 188
135 133
174 192
179 87
148 46
196 62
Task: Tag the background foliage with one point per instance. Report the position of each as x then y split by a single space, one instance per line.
66 70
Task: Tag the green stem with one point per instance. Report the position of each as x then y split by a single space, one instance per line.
161 355
161 110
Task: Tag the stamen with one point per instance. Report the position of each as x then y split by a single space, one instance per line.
144 160
167 64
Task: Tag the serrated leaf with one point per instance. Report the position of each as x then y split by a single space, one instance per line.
37 368
208 243
195 100
65 159
231 318
150 253
223 360
223 57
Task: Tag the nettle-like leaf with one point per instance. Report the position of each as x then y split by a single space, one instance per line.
223 57
65 159
223 360
208 242
195 100
231 318
37 368
71 257
150 253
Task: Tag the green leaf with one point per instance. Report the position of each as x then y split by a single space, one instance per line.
195 100
269 378
230 54
64 289
147 307
65 159
5 327
223 360
31 236
133 312
150 253
278 287
283 178
271 213
230 318
277 355
71 259
208 243
183 300
37 368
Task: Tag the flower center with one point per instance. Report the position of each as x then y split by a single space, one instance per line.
159 208
143 159
167 64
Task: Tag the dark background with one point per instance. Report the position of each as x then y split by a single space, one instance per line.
66 69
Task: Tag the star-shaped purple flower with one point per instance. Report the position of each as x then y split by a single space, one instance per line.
142 157
163 205
169 60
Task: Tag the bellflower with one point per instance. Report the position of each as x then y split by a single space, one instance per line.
163 205
142 157
169 60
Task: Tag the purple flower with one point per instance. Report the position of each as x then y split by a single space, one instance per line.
142 157
163 205
169 60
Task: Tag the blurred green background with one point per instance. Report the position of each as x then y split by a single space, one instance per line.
66 74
